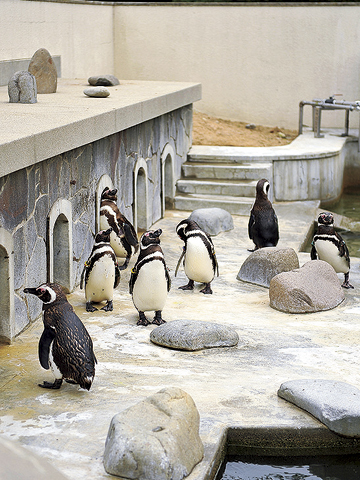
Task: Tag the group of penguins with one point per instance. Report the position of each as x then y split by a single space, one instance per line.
65 346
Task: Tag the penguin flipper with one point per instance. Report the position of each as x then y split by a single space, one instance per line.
178 264
132 280
130 234
84 273
117 275
168 279
343 249
313 253
46 338
250 225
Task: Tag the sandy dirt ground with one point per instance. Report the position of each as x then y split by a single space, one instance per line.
209 130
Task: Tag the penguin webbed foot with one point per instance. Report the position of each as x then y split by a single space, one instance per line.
346 284
143 321
53 386
188 286
158 320
207 289
108 307
90 307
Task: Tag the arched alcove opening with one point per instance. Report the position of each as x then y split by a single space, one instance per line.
60 255
105 181
140 200
167 178
7 318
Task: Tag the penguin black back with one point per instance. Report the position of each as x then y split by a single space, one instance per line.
263 225
65 344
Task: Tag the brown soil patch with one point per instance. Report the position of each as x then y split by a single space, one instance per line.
209 130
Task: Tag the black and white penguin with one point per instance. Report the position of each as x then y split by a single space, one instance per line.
263 223
65 345
101 272
329 246
200 263
123 238
150 280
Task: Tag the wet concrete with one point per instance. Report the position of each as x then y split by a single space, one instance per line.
232 387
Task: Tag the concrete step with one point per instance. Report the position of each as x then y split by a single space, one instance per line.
209 186
234 205
245 171
240 155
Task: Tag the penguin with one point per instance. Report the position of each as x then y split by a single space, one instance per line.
123 238
200 263
65 345
263 225
102 273
150 280
329 246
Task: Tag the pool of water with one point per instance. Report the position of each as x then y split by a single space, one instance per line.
334 467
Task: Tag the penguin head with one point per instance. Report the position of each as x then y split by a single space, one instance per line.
47 292
326 218
108 194
103 236
262 188
186 226
152 237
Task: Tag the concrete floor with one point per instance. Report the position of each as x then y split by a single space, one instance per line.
231 386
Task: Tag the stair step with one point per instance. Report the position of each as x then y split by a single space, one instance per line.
244 188
246 171
210 154
234 205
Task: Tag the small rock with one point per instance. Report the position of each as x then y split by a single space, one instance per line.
212 220
263 264
281 135
97 92
103 80
22 88
251 126
156 439
194 335
43 68
312 288
335 404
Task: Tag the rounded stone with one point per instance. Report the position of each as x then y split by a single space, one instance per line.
100 92
212 220
22 88
103 80
263 264
194 335
43 68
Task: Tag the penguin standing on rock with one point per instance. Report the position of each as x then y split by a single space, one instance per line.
102 273
263 223
123 238
65 345
150 281
329 246
200 263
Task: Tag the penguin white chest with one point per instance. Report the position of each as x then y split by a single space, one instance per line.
150 289
100 284
328 252
198 264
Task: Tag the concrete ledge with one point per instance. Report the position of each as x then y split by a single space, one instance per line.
68 119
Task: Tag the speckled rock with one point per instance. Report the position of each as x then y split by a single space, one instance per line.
43 68
97 92
103 80
22 88
156 439
335 404
212 220
194 335
312 288
263 264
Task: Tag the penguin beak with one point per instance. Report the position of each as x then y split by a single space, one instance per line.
157 233
33 291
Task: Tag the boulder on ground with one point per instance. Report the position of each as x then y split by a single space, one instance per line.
194 335
156 439
335 404
43 68
103 81
312 288
263 264
22 88
212 220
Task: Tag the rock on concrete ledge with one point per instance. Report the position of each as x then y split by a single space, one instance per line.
156 439
212 220
335 404
263 264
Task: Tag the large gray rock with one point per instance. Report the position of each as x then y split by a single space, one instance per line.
22 88
312 288
194 335
43 68
156 439
101 92
103 80
212 220
263 264
335 404
17 462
